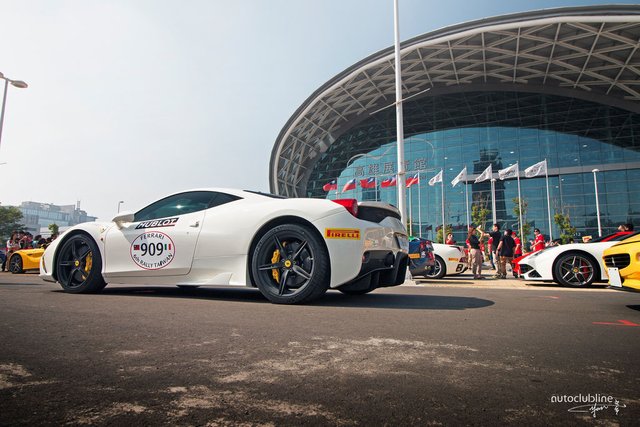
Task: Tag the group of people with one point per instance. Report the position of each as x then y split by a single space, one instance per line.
23 240
504 247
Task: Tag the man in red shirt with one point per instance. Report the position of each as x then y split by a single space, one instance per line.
538 242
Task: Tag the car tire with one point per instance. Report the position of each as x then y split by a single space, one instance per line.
575 269
438 271
15 264
290 265
79 265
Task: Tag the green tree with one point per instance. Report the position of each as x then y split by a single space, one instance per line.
564 223
526 227
479 213
439 238
53 228
10 220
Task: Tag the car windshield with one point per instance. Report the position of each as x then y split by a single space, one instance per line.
615 237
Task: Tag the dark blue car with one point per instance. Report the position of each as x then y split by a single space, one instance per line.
421 258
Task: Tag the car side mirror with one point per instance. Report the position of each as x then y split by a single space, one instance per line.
122 217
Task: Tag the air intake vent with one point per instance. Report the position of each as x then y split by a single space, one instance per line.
618 260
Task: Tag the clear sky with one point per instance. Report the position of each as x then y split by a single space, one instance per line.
133 99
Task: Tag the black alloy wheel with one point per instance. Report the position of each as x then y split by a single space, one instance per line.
290 265
15 264
438 270
79 265
575 270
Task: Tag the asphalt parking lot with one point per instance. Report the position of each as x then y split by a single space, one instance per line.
447 352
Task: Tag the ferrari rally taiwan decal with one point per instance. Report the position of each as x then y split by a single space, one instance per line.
168 222
342 233
153 250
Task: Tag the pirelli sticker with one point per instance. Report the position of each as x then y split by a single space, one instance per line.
342 233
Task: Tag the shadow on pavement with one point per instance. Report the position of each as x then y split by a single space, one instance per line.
634 307
330 299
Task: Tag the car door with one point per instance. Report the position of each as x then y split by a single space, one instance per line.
160 241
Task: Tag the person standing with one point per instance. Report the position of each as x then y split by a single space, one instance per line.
450 240
517 253
505 252
495 236
475 254
538 241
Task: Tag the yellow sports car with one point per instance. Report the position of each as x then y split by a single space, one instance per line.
25 259
623 264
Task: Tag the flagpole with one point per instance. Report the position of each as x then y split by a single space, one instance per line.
546 175
444 228
399 121
493 199
519 201
419 210
410 212
466 196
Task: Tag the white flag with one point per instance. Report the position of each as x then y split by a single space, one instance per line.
437 178
462 176
510 172
537 169
487 174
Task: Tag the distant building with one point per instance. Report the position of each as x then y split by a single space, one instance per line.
38 216
555 85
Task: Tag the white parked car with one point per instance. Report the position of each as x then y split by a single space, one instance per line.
292 250
575 264
450 260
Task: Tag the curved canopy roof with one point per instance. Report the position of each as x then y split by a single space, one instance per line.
587 52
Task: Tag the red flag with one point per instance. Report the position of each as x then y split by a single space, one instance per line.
351 185
415 179
333 185
368 183
389 182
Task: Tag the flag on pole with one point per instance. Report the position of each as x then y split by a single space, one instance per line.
389 182
510 172
462 176
415 179
350 185
487 174
537 169
368 183
331 185
437 178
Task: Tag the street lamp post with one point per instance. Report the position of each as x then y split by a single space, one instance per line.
119 203
17 83
595 184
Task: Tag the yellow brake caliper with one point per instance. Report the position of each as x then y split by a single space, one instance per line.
275 258
88 264
274 272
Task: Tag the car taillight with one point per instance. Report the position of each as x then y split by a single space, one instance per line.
350 204
423 246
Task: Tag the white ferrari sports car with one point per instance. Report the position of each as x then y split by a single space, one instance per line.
292 250
450 260
575 264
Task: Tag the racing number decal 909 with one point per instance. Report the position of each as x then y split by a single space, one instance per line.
152 250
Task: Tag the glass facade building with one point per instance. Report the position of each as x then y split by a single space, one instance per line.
561 85
475 130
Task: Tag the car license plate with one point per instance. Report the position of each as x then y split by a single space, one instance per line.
614 277
403 242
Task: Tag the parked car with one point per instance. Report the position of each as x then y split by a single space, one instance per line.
449 260
575 264
421 257
623 264
25 260
292 250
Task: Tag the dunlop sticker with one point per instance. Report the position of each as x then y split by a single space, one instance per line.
342 233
